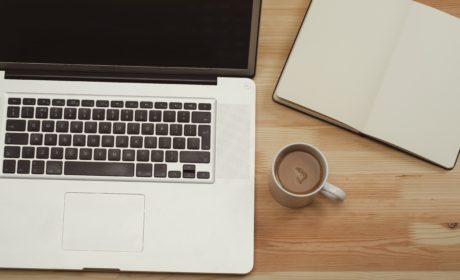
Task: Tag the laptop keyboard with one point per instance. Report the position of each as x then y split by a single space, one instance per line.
153 140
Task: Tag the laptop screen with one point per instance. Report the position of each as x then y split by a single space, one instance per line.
149 33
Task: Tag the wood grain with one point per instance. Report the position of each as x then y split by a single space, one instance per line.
400 221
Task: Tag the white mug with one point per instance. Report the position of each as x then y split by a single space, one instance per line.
292 200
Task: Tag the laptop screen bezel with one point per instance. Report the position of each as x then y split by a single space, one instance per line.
86 69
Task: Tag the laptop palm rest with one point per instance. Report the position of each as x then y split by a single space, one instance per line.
103 222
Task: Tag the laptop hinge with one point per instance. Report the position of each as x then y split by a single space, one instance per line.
110 77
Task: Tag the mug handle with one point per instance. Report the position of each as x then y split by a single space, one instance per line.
333 192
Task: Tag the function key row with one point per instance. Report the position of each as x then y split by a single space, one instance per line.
113 104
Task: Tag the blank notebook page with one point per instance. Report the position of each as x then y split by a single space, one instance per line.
418 106
340 56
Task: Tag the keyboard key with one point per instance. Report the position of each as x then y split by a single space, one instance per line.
48 126
161 105
70 113
38 167
9 166
11 152
71 153
129 155
105 128
86 154
113 115
148 129
57 153
44 102
127 115
94 140
87 103
175 130
157 156
76 127
54 168
143 155
50 139
73 103
161 129
111 169
164 143
183 117
62 126
179 143
147 105
28 152
56 113
13 112
190 106
100 154
193 143
160 170
175 106
84 114
114 155
174 174
141 115
14 101
136 142
15 125
205 132
144 170
58 102
190 130
41 113
33 126
65 140
134 128
119 128
27 112
204 106
155 116
79 140
172 156
203 175
116 104
188 171
17 138
201 117
90 127
23 167
122 141
195 157
102 103
28 101
43 152
169 116
150 142
98 114
132 104
108 141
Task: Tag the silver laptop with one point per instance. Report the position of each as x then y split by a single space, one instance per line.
127 133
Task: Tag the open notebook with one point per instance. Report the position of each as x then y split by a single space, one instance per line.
388 69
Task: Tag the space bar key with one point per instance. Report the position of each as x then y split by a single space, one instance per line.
99 169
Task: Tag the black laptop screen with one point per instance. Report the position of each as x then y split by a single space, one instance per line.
153 33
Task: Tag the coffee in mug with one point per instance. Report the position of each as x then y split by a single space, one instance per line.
299 172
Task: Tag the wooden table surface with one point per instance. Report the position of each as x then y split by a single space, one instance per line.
398 222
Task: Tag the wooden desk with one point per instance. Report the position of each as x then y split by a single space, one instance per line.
400 218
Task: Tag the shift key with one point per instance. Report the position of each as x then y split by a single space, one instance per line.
195 157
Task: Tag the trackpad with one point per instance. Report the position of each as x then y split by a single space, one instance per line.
103 222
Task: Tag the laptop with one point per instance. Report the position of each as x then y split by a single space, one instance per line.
127 133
